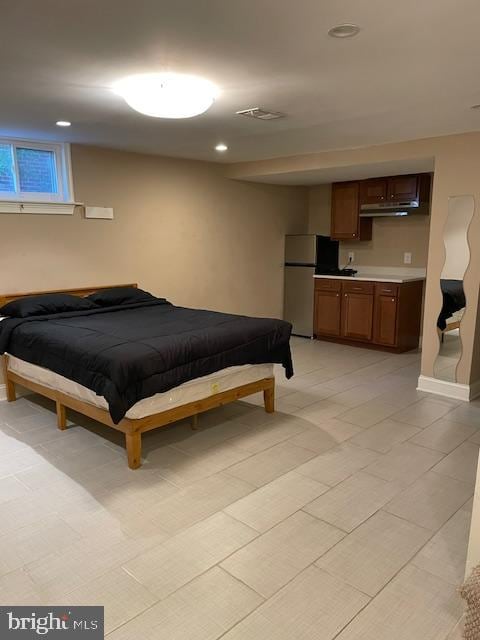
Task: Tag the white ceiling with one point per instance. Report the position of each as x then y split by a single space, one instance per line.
412 72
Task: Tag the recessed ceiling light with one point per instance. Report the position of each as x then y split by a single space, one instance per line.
346 30
221 147
167 95
63 123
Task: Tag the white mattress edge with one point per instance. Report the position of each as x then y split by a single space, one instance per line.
190 391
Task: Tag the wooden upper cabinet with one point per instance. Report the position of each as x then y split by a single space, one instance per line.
402 188
346 223
373 191
345 210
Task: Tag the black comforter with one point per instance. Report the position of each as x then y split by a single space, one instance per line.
130 352
453 300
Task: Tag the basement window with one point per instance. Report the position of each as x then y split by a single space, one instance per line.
35 177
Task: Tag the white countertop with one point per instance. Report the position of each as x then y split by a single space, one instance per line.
375 277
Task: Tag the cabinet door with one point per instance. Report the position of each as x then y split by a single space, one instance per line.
373 191
327 313
385 320
345 211
357 316
402 188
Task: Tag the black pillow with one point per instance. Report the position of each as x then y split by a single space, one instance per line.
120 295
45 304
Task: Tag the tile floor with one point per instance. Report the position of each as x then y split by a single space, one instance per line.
343 515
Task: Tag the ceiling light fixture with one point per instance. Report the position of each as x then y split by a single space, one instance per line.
167 95
63 123
346 30
221 147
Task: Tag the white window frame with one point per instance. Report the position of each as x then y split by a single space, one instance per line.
62 202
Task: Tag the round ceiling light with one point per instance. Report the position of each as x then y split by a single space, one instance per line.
221 147
63 123
346 30
167 95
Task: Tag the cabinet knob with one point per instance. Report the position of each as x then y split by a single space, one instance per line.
393 299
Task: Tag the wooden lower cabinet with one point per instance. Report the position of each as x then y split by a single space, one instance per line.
327 313
385 329
382 315
357 316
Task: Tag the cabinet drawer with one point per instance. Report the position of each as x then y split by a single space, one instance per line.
358 287
323 284
386 289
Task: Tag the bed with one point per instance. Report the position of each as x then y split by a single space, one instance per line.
453 305
140 366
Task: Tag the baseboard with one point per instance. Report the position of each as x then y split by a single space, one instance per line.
448 389
3 392
475 390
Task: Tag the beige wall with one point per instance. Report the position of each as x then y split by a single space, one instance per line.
391 237
181 230
319 209
457 172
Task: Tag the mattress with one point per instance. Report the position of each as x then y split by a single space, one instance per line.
190 391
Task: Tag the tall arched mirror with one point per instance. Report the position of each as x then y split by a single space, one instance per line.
457 257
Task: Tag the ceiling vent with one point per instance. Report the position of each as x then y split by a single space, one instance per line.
260 114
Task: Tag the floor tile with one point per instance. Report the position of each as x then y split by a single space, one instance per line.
16 588
269 434
314 605
461 463
270 561
121 595
446 553
334 465
371 555
319 439
357 395
203 609
186 555
368 414
267 465
414 605
321 411
443 435
352 501
75 519
431 500
384 435
12 489
34 541
423 413
61 572
275 501
404 463
466 413
182 469
197 502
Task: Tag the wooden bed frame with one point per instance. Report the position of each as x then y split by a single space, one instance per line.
132 429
